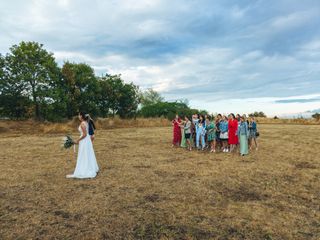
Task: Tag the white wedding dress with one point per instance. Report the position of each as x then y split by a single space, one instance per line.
87 166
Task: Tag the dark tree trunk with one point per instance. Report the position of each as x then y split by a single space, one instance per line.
37 108
36 104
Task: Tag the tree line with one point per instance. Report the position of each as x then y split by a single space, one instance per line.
32 85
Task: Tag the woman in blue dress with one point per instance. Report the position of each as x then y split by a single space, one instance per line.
223 126
253 133
201 136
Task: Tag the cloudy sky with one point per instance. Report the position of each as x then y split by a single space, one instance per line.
221 55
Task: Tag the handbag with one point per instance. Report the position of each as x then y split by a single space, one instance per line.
257 134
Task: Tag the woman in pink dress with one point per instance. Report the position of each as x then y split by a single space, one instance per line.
176 131
232 132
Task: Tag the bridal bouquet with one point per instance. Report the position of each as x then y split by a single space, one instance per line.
67 142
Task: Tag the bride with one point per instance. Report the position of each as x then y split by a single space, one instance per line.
87 166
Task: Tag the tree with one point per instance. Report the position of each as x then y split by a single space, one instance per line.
150 97
33 69
71 91
103 101
128 101
168 110
118 97
13 97
2 64
112 91
184 101
55 108
316 116
81 88
257 114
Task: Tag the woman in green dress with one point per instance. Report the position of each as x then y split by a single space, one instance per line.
243 135
211 133
183 137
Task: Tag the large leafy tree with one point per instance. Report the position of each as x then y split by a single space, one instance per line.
110 93
13 97
103 101
117 97
55 106
31 71
128 100
71 89
81 88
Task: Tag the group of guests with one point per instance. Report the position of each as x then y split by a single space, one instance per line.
220 133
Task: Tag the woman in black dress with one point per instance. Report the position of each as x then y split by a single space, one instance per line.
218 140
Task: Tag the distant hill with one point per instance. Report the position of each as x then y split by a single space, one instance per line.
314 111
307 114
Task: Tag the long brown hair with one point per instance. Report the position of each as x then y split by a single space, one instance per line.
84 116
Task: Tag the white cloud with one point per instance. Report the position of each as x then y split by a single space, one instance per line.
63 3
293 20
312 46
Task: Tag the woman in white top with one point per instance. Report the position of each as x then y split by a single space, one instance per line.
87 166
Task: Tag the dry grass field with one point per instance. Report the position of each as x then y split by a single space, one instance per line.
148 190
